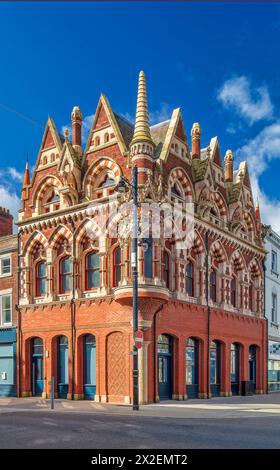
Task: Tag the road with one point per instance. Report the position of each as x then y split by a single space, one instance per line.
243 423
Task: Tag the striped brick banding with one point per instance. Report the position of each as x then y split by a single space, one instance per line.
177 174
60 232
49 182
98 167
237 260
219 201
217 252
36 237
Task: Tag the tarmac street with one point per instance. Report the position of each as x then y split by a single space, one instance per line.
220 423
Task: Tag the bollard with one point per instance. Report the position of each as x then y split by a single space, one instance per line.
52 393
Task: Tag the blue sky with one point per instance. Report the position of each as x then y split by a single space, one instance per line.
218 61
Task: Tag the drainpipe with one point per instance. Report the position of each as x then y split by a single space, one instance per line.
208 313
73 308
266 319
19 342
155 349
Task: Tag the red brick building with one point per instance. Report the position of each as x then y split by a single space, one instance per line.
8 302
201 308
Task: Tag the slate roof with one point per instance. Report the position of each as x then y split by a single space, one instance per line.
126 129
199 168
158 133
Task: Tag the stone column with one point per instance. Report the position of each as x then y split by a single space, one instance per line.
143 373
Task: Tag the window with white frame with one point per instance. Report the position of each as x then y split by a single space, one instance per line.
5 309
5 265
274 261
274 308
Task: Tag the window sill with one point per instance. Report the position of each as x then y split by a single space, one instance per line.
6 275
6 325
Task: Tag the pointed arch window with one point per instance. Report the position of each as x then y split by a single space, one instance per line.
148 258
251 299
233 293
190 279
92 271
117 266
41 278
213 285
107 181
166 271
176 191
65 273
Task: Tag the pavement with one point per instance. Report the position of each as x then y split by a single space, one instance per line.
219 423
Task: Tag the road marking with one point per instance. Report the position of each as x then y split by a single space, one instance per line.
97 406
67 405
4 402
266 410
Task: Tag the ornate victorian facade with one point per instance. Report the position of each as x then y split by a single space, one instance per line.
201 308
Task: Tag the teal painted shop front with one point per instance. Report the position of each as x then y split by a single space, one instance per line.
8 386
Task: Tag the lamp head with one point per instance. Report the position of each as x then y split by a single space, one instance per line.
121 187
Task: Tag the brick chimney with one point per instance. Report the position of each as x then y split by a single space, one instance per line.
6 222
76 127
229 166
196 136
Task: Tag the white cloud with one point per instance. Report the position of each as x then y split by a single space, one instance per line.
160 115
15 174
259 152
253 104
10 200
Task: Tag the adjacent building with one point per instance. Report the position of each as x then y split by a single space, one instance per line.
272 299
8 301
201 308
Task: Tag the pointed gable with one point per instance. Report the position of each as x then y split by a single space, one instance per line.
105 122
101 118
215 154
175 131
180 130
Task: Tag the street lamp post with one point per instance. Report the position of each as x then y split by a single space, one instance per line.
122 187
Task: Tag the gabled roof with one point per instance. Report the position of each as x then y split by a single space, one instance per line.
167 132
103 105
126 128
51 133
158 133
199 168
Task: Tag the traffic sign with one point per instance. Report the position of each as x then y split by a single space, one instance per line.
138 339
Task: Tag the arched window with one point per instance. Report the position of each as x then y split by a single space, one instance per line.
234 362
117 266
148 258
41 278
65 275
106 137
215 363
92 270
213 286
233 291
107 181
97 140
189 279
251 303
176 191
166 272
